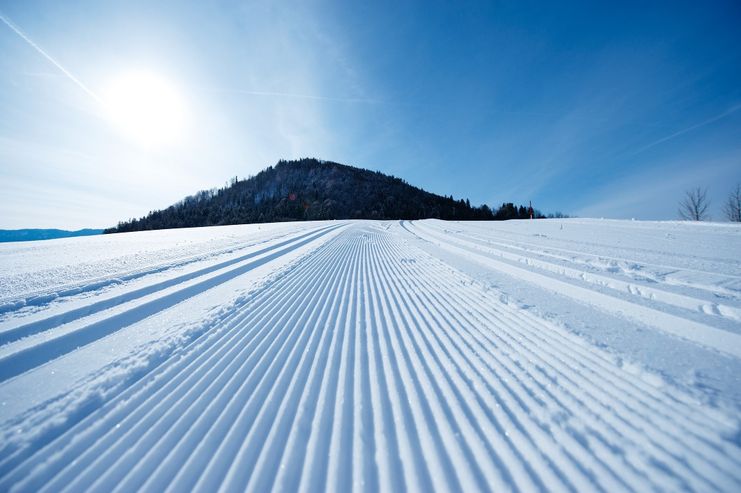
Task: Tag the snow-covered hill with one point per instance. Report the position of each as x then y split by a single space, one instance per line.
552 355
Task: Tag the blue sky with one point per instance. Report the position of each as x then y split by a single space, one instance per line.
602 109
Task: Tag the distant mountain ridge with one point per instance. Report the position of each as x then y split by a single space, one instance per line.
311 189
8 235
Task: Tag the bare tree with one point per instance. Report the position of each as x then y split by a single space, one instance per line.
694 206
732 207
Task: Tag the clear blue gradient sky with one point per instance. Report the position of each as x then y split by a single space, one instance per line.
603 109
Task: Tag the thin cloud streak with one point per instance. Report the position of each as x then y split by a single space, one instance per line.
553 115
300 96
535 114
689 129
66 72
44 75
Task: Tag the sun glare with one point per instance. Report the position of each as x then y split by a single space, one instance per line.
146 108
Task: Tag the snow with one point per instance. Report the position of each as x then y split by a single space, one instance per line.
555 355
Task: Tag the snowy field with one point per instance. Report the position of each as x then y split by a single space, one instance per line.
551 355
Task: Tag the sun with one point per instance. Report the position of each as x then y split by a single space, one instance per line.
146 108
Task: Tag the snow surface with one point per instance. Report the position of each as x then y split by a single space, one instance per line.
553 355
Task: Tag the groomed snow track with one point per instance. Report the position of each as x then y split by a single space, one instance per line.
366 364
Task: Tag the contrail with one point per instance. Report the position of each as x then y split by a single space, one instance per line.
733 109
301 96
66 72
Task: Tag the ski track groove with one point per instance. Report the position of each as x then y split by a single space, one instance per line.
529 259
284 352
725 341
180 373
424 411
518 430
526 396
28 358
53 321
572 256
637 250
661 423
361 368
623 382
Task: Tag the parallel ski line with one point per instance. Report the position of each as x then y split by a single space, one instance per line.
718 456
484 458
26 359
274 414
606 368
43 298
521 432
447 466
705 335
168 469
218 467
138 420
674 437
643 291
312 468
176 368
500 422
548 249
644 251
419 468
84 311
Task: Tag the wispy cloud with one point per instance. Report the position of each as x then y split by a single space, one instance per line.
676 134
44 75
6 20
300 96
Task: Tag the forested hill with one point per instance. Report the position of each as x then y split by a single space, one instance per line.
310 189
